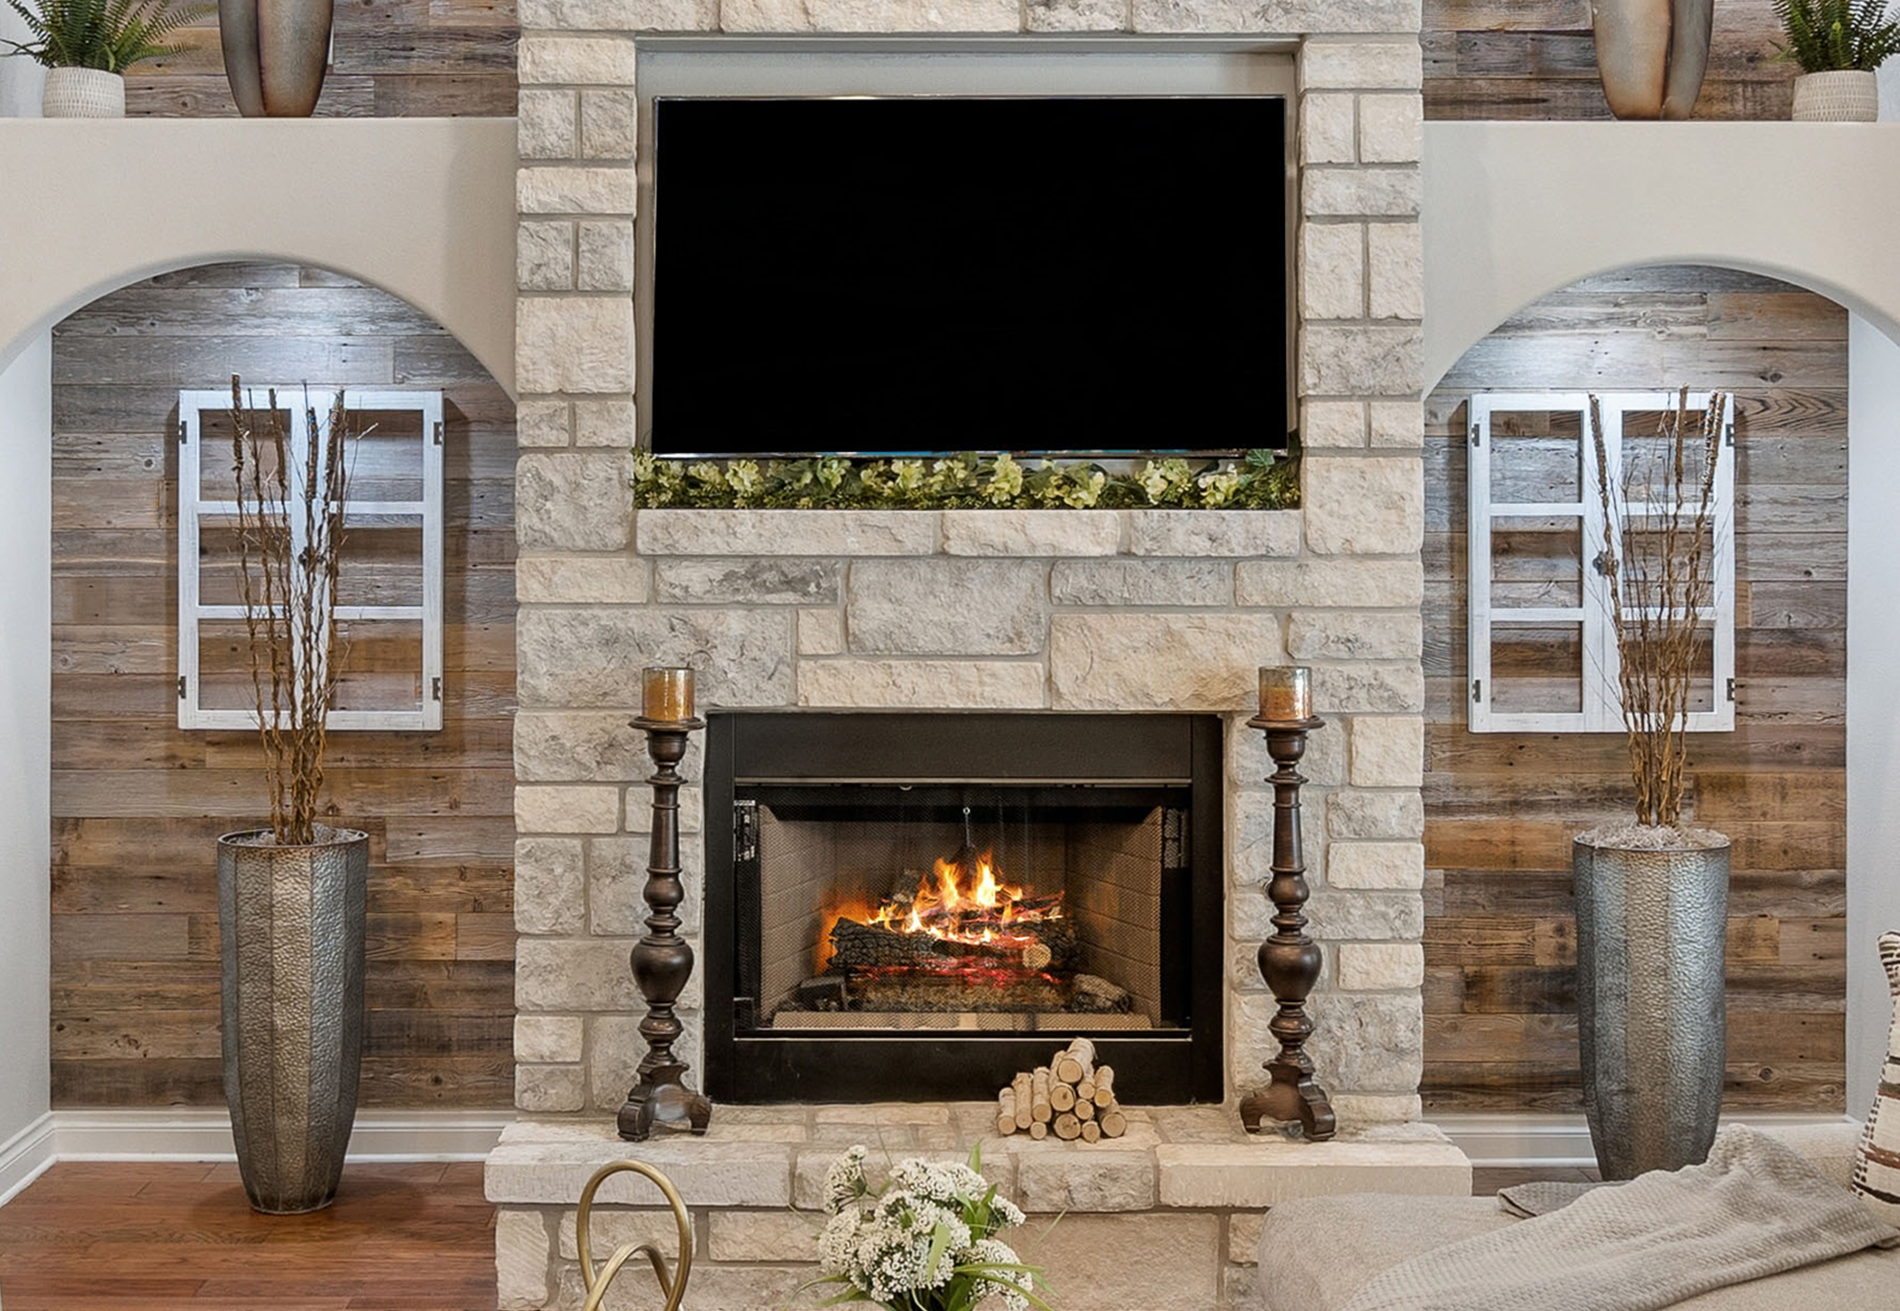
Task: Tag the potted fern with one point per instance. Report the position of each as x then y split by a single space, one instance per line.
86 46
292 896
1839 44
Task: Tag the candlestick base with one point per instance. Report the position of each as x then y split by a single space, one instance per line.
662 1099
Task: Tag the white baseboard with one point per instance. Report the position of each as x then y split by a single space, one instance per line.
25 1156
195 1134
1529 1142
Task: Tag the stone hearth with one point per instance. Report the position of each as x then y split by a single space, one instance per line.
1166 1218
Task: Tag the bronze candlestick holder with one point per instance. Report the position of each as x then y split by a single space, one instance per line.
1289 960
662 960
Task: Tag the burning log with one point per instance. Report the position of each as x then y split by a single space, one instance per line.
1041 945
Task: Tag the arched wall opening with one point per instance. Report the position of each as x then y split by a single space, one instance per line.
1795 784
134 802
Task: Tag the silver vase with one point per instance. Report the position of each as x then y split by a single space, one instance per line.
291 928
1652 54
1652 930
275 54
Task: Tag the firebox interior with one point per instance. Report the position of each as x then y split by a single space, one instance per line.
950 893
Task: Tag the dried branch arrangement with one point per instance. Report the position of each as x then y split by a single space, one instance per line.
1071 1096
1659 561
290 545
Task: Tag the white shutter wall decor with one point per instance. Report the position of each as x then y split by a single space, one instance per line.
392 660
1533 479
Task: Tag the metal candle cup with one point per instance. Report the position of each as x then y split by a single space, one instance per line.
1286 693
667 694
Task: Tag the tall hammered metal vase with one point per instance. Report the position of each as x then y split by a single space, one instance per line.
1652 54
1652 929
275 54
291 925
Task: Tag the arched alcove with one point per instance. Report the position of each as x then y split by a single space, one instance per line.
1501 807
134 802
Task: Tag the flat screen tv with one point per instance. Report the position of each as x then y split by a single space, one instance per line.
1102 276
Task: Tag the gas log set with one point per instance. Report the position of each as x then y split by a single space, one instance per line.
963 940
1071 1097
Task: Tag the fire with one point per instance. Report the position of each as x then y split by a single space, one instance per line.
963 900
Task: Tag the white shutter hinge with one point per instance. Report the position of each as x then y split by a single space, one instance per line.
1477 435
1731 689
1477 690
438 432
435 688
181 687
182 434
1730 433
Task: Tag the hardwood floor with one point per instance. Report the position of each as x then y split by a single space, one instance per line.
113 1236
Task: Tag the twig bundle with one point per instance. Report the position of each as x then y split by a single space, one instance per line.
1071 1096
1659 562
290 540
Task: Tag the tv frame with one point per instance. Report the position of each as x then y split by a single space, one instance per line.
645 241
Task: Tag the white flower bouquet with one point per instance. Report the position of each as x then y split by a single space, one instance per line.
927 1242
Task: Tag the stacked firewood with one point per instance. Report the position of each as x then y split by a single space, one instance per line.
1071 1097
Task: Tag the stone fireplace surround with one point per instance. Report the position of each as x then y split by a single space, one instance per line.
1055 611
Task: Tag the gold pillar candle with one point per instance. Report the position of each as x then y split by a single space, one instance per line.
666 694
1286 693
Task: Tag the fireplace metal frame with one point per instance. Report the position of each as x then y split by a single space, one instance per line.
1160 1067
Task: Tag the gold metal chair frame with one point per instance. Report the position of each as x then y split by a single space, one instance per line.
672 1285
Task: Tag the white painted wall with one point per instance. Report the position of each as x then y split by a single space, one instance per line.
1873 696
21 79
26 571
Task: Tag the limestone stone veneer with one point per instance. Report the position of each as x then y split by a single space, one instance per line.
1049 610
1166 1218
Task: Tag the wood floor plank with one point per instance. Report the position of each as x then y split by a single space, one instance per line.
111 1236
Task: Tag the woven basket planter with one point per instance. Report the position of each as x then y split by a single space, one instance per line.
1848 96
83 93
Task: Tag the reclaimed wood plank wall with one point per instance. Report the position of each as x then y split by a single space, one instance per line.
1537 59
137 803
1483 59
1500 947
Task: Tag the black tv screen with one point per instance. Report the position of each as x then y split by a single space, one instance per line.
900 275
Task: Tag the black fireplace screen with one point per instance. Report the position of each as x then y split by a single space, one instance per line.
920 905
984 907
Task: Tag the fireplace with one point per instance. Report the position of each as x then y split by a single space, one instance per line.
928 903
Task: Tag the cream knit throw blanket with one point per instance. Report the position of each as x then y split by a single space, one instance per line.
1755 1209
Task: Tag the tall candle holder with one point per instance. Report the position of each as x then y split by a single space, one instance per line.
662 960
1290 961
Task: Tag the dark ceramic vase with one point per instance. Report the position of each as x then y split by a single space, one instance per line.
275 54
1652 54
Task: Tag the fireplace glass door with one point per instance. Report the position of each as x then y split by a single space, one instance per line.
981 907
921 905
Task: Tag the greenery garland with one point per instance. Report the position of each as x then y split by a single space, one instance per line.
1260 480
